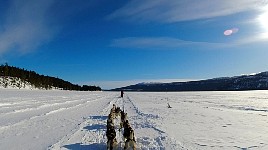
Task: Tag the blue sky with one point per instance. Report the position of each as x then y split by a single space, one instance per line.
123 42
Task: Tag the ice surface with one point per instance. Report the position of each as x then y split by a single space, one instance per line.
39 119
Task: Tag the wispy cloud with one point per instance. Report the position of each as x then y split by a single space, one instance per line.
167 43
25 25
259 38
160 43
182 10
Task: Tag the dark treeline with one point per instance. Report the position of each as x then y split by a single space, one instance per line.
41 81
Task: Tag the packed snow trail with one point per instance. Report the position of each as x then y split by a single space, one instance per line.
92 132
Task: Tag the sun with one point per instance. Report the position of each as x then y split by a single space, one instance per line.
263 20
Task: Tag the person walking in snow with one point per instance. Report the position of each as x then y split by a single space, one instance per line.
122 93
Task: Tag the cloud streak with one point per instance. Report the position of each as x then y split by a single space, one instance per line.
167 43
160 43
25 26
182 10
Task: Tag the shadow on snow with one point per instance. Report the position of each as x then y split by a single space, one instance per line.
97 146
95 127
99 117
79 146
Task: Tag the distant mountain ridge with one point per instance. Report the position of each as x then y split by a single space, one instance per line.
17 78
244 82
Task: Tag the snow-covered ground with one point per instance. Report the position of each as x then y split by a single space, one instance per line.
37 119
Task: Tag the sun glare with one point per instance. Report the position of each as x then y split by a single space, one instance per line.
263 19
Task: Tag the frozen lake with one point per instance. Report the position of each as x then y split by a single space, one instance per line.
77 120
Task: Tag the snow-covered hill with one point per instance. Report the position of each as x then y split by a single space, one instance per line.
37 120
17 83
17 78
245 82
14 83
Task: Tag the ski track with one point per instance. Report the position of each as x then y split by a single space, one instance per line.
145 123
37 120
45 113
